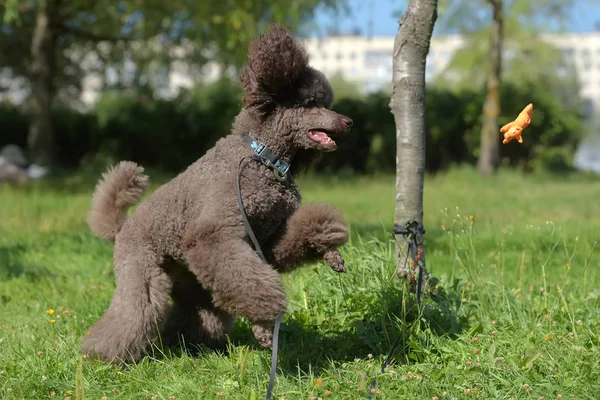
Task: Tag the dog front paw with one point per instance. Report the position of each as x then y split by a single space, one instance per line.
330 235
263 332
319 226
335 260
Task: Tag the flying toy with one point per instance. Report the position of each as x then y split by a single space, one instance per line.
514 129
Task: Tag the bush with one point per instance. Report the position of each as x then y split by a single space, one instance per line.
163 134
171 134
453 128
13 125
73 132
76 134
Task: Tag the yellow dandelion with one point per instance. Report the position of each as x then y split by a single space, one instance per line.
319 383
119 373
52 321
548 337
471 218
50 311
89 333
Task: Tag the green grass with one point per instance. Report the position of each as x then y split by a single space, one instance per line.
516 313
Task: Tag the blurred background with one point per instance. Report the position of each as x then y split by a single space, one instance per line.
85 83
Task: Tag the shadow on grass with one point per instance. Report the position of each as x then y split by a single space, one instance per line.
310 348
12 265
313 347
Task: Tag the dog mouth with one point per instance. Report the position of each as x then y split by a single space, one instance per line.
322 138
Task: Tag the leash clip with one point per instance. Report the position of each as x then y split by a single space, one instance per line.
268 158
280 176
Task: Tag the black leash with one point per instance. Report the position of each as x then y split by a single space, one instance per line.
250 233
412 232
274 357
247 225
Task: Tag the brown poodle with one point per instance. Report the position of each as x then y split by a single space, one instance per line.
187 241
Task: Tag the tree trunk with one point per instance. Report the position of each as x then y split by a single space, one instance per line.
408 107
40 139
489 151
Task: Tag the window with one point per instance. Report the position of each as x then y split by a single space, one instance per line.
586 59
567 53
374 58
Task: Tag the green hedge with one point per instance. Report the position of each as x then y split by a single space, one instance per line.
172 134
453 123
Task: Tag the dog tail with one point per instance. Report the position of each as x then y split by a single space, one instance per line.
121 187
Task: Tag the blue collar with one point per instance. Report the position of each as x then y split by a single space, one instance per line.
263 154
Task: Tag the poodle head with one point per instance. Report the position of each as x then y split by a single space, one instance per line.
289 100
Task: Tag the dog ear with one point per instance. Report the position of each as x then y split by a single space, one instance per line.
276 62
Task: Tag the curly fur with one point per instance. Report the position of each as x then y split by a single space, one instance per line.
187 241
121 187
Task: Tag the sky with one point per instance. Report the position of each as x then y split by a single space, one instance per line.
584 16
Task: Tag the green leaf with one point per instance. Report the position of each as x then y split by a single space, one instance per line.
478 328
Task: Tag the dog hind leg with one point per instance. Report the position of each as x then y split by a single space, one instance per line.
138 307
193 320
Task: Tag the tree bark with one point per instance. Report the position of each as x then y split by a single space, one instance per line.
489 151
40 139
407 104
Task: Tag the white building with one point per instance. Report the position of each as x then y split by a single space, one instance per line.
368 61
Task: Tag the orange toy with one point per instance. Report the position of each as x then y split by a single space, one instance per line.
513 130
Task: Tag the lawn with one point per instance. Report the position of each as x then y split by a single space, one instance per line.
516 312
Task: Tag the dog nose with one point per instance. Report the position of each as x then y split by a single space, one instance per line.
347 121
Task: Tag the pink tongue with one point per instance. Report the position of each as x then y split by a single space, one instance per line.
320 136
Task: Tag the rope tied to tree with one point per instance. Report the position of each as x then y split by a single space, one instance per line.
412 232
